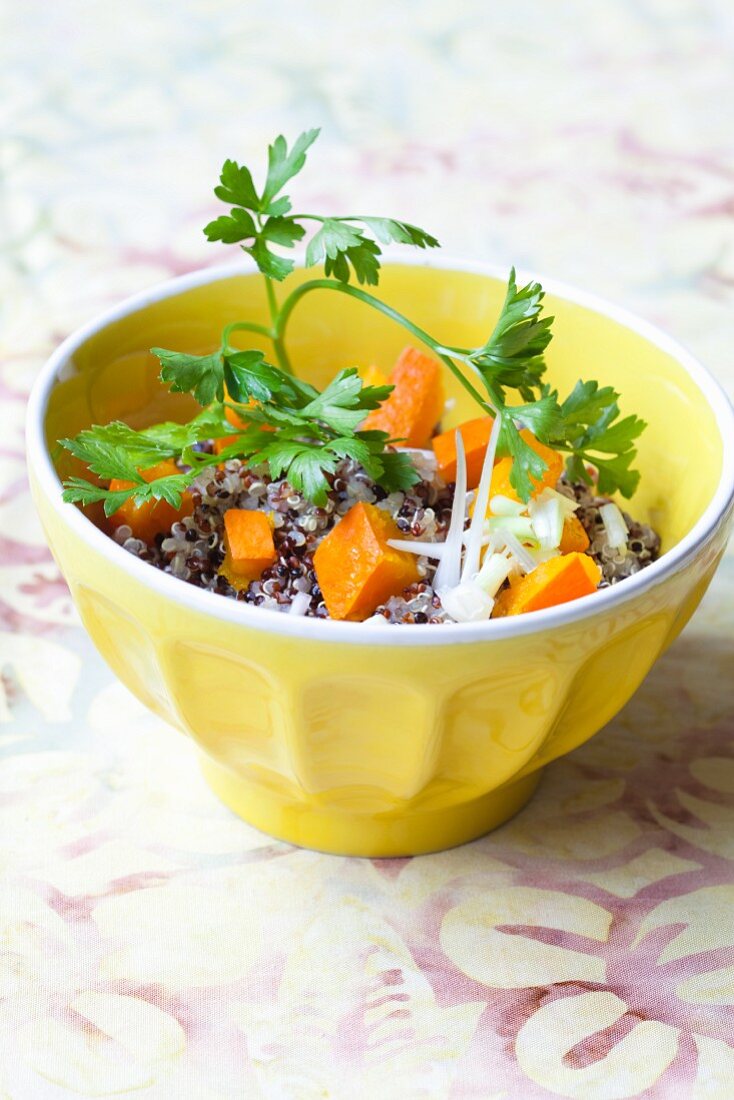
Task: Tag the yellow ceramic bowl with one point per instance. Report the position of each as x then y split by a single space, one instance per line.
377 740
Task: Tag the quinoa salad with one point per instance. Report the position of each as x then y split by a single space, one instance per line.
365 501
194 549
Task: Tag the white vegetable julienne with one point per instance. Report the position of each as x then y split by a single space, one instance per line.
495 570
540 554
547 517
502 506
300 603
520 526
568 505
467 603
615 526
476 529
415 546
525 560
571 506
449 569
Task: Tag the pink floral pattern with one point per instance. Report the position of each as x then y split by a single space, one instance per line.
153 945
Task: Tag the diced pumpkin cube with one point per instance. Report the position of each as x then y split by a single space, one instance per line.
475 435
501 485
234 417
415 406
152 517
248 541
237 580
224 441
558 580
236 421
356 569
574 538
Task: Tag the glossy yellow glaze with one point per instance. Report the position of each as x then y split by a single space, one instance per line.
369 749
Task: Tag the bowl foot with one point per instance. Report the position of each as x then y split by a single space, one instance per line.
392 833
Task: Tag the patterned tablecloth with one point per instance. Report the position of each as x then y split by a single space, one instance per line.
151 944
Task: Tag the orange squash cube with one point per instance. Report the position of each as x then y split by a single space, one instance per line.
415 406
249 546
223 441
555 581
475 435
501 485
152 517
234 418
574 538
355 567
236 421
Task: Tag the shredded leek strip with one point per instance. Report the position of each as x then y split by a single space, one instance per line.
476 529
614 526
500 505
467 603
539 554
568 505
449 569
520 554
494 572
299 603
415 546
521 526
548 518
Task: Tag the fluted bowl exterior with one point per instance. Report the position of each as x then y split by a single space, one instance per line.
359 739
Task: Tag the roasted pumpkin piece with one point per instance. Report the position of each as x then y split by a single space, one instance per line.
356 569
236 421
475 435
248 542
501 485
234 417
415 406
574 538
224 441
152 517
556 581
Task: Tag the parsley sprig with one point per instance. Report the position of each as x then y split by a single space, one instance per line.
302 434
299 432
586 424
116 451
592 431
513 359
257 222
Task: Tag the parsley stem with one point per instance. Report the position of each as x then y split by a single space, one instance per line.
281 354
278 346
272 300
245 326
444 354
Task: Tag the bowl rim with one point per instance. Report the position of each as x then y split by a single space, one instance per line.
374 633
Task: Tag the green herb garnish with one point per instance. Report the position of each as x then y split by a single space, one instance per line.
302 434
591 430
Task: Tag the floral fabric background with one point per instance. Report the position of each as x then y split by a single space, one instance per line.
151 944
